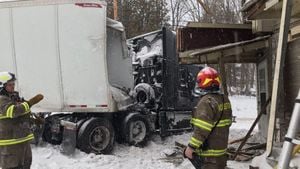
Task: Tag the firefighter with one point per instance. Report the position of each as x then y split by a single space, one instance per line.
211 119
15 133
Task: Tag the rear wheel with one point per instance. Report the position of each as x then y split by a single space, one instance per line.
135 129
96 136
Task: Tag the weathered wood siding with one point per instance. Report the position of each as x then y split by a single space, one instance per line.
292 76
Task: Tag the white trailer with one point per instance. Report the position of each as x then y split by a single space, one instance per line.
77 58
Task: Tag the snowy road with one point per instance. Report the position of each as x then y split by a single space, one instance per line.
127 157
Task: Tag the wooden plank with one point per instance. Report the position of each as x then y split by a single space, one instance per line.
263 111
271 3
115 10
223 76
295 31
249 45
237 140
217 25
274 12
280 59
213 59
256 147
235 54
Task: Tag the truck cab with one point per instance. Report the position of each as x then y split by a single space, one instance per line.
95 92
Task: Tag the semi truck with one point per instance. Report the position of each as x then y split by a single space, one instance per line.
94 82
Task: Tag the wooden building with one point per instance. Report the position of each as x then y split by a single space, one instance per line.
254 42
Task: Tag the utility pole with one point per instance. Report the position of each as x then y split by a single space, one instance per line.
115 9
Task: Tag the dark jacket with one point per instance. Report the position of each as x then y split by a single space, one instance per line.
14 121
210 139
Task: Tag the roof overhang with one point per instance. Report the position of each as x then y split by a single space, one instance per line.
218 25
268 9
249 51
204 35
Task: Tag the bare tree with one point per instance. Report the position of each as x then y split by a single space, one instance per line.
194 10
140 16
177 12
216 11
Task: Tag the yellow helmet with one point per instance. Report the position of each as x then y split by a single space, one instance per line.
6 77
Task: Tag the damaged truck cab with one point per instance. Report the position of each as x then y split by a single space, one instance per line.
96 90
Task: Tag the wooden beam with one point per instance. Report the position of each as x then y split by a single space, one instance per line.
116 10
262 111
244 58
223 76
273 11
295 31
234 54
271 3
237 140
218 25
280 59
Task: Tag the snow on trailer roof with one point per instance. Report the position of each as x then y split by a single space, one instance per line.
230 51
19 3
115 24
144 35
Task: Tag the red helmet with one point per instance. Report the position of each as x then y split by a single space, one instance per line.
208 78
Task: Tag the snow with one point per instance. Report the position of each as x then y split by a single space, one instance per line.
149 50
261 162
147 56
245 110
115 24
123 157
128 157
265 162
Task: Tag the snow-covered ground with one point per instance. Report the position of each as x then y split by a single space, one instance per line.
129 157
245 110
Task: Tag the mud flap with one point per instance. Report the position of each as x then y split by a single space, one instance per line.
68 144
37 131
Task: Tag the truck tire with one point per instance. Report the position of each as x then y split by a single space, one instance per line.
96 136
135 129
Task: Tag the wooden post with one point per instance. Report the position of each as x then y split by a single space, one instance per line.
278 71
115 9
223 75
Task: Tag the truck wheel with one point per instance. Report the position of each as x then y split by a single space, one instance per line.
135 129
96 136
